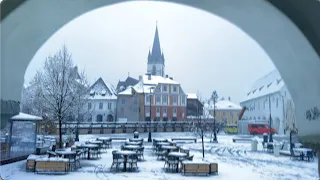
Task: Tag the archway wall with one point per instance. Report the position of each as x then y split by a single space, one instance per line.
25 29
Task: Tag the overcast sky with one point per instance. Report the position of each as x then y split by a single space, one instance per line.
202 51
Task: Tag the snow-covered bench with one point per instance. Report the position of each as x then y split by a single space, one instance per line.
199 167
184 139
241 139
53 165
31 161
118 139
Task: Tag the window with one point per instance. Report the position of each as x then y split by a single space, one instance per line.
277 102
174 110
231 114
175 99
165 88
147 112
164 110
223 113
109 105
123 101
100 105
158 99
135 101
158 110
148 99
174 88
183 100
89 105
164 99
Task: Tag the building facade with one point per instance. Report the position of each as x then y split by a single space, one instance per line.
102 102
160 96
194 106
269 96
227 112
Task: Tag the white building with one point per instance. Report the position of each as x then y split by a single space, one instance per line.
102 102
269 95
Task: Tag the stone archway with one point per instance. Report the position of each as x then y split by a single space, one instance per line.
109 118
268 22
99 118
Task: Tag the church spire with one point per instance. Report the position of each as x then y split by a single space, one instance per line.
156 49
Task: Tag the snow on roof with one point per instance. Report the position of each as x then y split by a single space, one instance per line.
224 105
192 96
127 91
24 116
158 79
270 83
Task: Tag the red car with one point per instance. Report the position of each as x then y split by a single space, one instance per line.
260 129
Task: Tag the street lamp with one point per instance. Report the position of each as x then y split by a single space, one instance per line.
214 97
149 137
270 121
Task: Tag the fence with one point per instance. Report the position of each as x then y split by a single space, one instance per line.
109 128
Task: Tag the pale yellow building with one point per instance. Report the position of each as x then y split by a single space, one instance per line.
227 112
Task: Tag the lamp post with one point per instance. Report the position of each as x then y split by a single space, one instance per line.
270 122
214 97
149 137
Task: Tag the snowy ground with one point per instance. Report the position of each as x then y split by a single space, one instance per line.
236 161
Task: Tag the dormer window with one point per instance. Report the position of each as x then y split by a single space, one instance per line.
261 88
92 92
248 93
269 85
103 92
254 91
278 81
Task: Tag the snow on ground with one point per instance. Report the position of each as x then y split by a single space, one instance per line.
236 161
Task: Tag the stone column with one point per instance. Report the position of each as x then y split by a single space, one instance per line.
319 163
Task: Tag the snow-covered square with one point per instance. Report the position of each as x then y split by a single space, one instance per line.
235 161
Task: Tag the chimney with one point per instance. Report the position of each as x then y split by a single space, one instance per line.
140 78
229 98
149 76
167 76
171 78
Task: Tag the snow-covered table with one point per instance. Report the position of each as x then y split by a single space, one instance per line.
88 146
125 155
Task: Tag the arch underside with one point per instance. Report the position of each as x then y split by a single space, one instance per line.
293 47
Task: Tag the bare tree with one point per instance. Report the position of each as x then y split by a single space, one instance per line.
59 88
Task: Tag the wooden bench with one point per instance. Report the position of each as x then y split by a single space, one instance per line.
118 139
31 162
197 168
241 139
51 165
213 168
184 139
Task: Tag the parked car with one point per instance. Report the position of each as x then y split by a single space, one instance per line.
260 129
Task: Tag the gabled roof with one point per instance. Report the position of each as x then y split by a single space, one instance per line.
102 90
225 105
128 82
268 84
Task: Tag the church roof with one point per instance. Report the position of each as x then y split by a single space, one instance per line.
156 55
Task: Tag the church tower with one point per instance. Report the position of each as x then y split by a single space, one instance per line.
156 58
